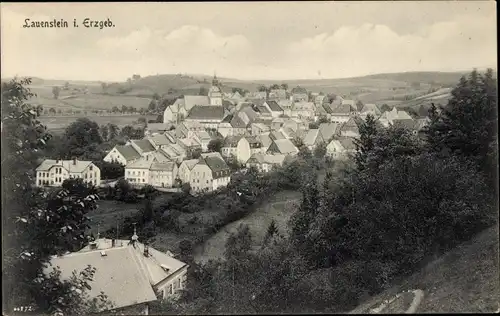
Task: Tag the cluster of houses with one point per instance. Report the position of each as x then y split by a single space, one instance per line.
257 130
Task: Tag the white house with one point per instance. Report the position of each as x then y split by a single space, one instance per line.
184 172
343 113
247 146
130 273
341 148
210 173
163 174
54 172
122 154
229 147
138 172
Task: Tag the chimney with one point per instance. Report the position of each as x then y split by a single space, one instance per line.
74 161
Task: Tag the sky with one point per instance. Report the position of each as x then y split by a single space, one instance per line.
248 40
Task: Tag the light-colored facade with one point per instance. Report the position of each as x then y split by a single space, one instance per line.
54 172
247 146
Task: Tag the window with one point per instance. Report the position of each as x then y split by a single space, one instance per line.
170 289
39 182
95 174
91 167
86 176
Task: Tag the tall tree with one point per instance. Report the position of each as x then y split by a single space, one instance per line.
365 143
466 126
35 224
79 135
55 92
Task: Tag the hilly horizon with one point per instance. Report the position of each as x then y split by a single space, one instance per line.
416 76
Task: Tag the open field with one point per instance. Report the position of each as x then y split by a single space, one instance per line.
89 101
463 280
109 213
54 123
279 208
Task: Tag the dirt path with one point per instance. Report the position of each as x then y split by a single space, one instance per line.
280 208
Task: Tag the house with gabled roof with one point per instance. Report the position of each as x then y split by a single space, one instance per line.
54 172
282 146
145 274
187 129
265 162
210 173
312 139
274 108
229 146
160 141
299 94
351 127
224 128
370 109
208 116
122 154
387 118
190 145
286 105
329 130
203 138
184 171
343 112
277 123
341 148
142 146
163 174
303 110
173 111
259 128
265 140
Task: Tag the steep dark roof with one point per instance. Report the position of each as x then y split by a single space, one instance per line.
206 112
218 166
274 106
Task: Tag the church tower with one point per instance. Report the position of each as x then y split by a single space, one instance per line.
215 93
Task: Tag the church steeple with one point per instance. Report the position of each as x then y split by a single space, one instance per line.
215 81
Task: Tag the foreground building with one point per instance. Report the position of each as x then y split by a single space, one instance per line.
131 274
53 172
